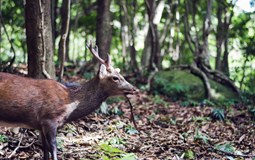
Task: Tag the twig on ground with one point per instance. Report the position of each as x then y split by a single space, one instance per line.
14 151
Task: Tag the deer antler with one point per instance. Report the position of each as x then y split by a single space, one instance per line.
94 51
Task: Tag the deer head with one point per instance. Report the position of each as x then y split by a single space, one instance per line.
110 78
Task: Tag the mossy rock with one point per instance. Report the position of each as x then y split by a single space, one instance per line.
182 85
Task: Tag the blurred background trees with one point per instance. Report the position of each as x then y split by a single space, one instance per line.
213 40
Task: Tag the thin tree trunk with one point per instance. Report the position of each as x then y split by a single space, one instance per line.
244 69
65 18
124 30
133 51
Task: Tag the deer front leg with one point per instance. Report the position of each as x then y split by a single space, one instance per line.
44 147
49 130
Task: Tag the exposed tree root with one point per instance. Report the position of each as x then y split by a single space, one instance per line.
204 73
198 72
221 78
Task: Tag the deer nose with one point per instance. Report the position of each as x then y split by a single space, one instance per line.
135 90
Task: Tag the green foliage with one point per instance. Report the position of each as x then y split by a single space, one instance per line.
116 111
248 98
159 100
70 129
3 138
226 147
88 75
116 141
252 112
60 143
200 136
200 119
207 102
112 100
175 85
218 114
104 108
188 103
189 154
131 130
113 153
151 117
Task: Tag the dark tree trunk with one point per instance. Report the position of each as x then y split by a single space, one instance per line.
219 36
133 52
124 20
39 39
103 27
153 36
201 67
224 62
204 51
224 16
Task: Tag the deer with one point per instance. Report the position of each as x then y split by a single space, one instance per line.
46 105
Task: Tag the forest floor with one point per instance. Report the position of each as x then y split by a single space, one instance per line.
167 131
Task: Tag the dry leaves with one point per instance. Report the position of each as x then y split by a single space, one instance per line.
167 131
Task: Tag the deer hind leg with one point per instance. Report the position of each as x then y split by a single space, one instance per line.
49 130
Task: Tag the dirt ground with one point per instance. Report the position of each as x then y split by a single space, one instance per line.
166 131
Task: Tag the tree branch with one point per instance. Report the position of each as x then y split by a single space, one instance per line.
12 48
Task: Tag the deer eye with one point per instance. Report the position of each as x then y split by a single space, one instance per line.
115 78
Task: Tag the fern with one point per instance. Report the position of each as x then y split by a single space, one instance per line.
218 114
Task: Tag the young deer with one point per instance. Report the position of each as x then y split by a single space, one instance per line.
46 105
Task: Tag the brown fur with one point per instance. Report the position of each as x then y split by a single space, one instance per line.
28 101
46 104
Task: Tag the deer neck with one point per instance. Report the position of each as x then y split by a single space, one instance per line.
90 96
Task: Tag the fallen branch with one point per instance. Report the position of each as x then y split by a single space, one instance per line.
30 144
14 151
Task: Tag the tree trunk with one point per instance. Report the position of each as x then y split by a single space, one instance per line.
219 36
204 51
224 15
133 52
103 27
65 19
39 39
124 20
151 53
54 6
224 62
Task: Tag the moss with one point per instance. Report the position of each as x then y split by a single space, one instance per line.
182 85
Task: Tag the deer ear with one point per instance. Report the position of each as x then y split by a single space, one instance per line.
102 71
